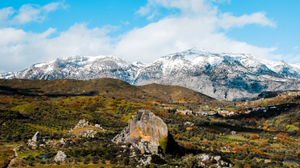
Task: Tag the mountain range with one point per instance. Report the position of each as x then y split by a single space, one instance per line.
225 76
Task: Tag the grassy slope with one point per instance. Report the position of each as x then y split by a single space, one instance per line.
116 101
70 86
175 93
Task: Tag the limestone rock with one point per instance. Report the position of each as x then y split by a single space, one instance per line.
82 123
233 132
206 157
36 137
62 141
33 141
98 126
123 137
60 156
144 127
90 130
217 158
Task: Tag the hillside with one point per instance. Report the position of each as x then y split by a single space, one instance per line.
71 87
258 133
175 94
223 76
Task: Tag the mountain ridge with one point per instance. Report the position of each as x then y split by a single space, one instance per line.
225 76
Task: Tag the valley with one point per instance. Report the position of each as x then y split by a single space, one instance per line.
81 118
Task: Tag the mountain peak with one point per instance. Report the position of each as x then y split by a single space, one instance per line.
227 76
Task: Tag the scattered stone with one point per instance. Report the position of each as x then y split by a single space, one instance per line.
204 158
62 141
217 158
146 159
233 132
98 126
60 156
82 123
33 141
90 131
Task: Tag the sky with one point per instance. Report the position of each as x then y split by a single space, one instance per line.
33 31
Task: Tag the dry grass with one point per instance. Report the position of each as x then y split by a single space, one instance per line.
5 157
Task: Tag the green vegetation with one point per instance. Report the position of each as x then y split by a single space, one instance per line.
163 144
262 139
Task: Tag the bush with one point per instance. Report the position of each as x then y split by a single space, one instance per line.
157 160
254 136
86 160
126 161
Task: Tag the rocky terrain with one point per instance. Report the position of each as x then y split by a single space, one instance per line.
224 76
145 127
110 123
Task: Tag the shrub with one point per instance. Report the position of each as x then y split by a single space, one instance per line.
157 160
86 160
254 137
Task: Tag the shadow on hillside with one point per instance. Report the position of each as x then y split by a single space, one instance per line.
4 90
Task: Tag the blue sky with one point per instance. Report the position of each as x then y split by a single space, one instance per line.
34 31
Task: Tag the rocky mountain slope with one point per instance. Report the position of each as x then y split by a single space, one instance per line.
225 76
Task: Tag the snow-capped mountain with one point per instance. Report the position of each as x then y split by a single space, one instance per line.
224 76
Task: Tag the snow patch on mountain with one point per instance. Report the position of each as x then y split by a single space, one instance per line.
227 76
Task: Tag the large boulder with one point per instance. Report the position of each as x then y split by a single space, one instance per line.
145 126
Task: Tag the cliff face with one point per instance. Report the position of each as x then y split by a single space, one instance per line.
145 127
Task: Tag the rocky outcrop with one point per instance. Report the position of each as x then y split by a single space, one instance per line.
226 76
36 137
60 156
62 141
123 137
90 130
146 131
33 141
82 123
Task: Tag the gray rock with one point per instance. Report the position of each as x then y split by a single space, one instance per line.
36 137
145 127
91 130
60 156
62 141
123 137
233 132
82 123
225 76
217 158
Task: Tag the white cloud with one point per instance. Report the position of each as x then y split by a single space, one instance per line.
295 48
186 6
28 13
20 49
5 12
292 59
125 23
197 25
54 6
227 20
177 34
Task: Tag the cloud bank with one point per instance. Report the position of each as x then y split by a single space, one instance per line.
198 24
